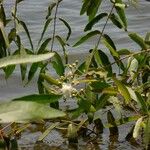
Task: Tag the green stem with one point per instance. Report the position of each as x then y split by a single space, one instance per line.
54 27
99 40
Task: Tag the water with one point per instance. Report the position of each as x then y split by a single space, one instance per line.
33 13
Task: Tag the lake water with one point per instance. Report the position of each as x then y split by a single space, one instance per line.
33 12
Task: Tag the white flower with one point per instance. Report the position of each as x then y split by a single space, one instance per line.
67 90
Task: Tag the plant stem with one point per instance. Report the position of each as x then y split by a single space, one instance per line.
54 27
15 14
100 37
89 59
127 56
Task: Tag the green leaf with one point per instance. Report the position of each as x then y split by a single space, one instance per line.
32 71
112 48
98 86
72 133
124 52
4 36
63 44
23 59
86 37
93 8
142 103
58 64
122 90
42 48
110 44
50 79
137 127
40 83
44 29
86 4
132 66
139 40
51 6
24 111
94 21
76 113
9 70
105 62
81 69
68 27
147 133
2 15
110 91
121 12
27 32
39 98
23 68
12 35
132 93
116 21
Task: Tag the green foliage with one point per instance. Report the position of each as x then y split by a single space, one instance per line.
26 111
24 59
93 83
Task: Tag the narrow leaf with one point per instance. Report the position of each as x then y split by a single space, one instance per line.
121 12
32 71
116 21
142 103
42 48
23 111
123 90
50 79
27 32
58 64
86 37
94 21
139 40
68 27
40 98
22 59
137 127
44 29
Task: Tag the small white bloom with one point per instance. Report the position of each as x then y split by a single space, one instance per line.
67 90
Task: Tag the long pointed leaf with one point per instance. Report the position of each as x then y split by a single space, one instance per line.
27 32
86 37
68 27
139 40
94 21
23 111
22 59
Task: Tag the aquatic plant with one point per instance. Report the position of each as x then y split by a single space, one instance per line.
93 84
